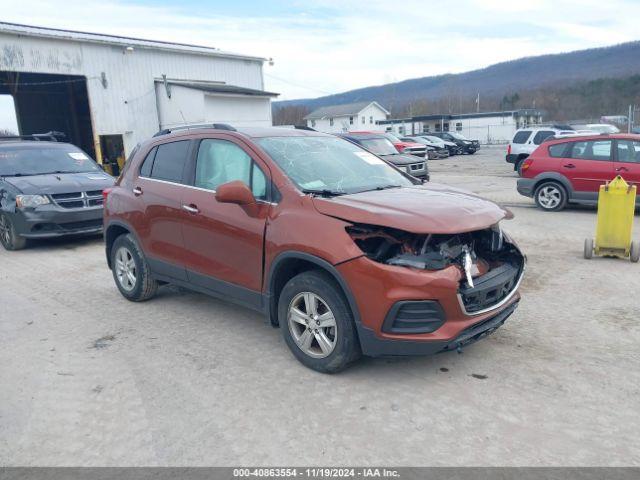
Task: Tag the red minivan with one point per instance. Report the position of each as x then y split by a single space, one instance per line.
571 169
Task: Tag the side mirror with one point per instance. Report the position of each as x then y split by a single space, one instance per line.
235 192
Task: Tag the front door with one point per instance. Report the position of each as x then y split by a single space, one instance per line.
224 241
627 163
589 165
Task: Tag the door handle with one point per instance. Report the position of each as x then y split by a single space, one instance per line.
569 165
191 208
137 191
622 169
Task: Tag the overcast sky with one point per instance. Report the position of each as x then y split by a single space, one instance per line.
327 46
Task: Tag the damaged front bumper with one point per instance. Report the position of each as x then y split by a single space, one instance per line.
415 294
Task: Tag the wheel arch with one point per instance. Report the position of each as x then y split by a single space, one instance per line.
553 177
112 231
291 263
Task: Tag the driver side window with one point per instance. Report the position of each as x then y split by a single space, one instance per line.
221 161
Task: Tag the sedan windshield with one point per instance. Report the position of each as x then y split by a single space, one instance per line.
458 136
29 159
379 146
331 166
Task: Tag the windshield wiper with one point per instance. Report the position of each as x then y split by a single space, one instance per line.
380 187
325 192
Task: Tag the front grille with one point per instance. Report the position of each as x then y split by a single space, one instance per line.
421 316
91 198
491 288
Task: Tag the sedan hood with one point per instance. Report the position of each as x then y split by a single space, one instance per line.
61 182
402 159
425 209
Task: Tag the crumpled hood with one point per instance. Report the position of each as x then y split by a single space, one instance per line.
423 209
61 182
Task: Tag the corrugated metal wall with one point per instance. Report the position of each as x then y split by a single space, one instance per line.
127 104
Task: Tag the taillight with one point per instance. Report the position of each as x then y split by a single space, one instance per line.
105 194
527 163
509 149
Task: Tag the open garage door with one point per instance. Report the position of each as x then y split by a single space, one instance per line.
47 102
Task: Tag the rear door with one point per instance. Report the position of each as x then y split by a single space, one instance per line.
160 186
536 139
627 163
225 241
588 165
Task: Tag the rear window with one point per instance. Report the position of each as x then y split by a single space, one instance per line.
521 137
169 161
557 150
541 136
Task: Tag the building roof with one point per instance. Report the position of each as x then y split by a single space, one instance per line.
100 38
503 113
342 110
218 87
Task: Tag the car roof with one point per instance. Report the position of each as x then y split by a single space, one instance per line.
33 143
362 135
596 136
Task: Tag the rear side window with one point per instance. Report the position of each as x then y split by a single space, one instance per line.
521 137
169 161
557 150
145 169
541 136
591 150
628 151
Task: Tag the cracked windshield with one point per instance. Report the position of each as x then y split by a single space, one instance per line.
331 166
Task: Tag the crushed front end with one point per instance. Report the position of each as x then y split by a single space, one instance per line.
425 293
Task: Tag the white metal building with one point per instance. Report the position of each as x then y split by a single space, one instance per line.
107 93
487 127
348 117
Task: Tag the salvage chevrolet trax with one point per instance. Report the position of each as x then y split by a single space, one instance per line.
344 252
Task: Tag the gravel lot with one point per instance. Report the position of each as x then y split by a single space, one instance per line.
87 378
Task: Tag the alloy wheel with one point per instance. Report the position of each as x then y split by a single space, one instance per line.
125 267
312 325
549 197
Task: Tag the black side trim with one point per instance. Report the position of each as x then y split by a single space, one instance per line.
414 316
374 346
225 290
166 269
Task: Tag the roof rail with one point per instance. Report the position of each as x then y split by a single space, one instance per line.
51 136
217 126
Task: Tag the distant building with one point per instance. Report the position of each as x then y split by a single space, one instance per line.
347 118
487 127
107 93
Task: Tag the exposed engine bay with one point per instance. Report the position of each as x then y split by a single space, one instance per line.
475 253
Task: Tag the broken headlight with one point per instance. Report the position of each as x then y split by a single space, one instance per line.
31 201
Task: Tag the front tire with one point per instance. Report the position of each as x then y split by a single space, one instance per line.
131 271
550 196
317 323
8 237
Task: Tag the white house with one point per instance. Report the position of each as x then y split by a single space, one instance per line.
107 93
487 127
347 117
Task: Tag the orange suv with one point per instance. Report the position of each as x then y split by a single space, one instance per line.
347 254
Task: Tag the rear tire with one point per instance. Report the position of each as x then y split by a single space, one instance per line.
634 252
550 196
8 237
317 323
131 271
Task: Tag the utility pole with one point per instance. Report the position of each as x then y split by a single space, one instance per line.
630 118
478 103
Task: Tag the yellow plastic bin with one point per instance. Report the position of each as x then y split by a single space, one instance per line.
616 209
